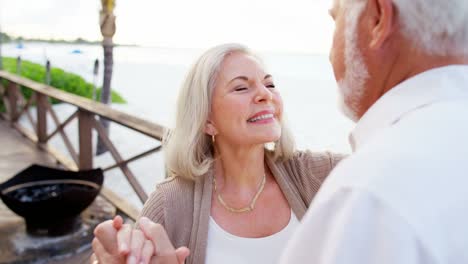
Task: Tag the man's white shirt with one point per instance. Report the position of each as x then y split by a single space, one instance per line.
402 196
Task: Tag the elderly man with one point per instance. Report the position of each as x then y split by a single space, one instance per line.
401 197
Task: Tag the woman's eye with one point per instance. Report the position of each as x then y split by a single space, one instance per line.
240 89
271 86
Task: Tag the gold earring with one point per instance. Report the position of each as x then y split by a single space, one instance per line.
213 138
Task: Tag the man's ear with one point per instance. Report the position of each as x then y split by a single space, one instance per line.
382 17
210 129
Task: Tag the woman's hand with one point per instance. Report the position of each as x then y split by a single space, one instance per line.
117 243
163 250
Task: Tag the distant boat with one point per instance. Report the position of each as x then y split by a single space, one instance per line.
76 51
20 45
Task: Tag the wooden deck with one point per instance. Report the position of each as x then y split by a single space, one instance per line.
17 153
21 147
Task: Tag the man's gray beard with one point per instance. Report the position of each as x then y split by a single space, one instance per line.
352 86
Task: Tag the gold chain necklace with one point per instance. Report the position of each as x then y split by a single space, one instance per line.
244 209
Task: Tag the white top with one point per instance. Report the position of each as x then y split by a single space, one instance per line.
226 248
402 196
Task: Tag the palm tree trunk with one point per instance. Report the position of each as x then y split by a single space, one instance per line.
107 25
106 89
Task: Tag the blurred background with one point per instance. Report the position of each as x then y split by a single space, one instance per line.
156 41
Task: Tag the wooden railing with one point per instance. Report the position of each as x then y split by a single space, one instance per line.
87 112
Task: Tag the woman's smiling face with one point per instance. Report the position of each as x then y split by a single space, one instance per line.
246 108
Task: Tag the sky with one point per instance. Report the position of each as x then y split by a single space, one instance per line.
272 25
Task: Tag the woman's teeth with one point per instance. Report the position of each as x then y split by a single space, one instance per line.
262 117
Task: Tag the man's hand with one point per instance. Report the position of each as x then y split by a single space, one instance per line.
105 244
164 252
118 243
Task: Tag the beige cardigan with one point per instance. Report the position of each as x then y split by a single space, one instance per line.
183 206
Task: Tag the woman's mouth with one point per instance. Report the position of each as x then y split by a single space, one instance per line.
258 118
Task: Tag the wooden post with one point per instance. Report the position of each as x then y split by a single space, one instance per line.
1 42
95 75
2 88
18 65
13 97
85 125
41 101
47 80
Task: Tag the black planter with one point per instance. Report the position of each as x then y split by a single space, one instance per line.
51 199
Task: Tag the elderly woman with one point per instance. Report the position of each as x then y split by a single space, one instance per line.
238 188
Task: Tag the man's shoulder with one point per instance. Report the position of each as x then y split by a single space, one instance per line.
394 161
431 138
420 160
436 116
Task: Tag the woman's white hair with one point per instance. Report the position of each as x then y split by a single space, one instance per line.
439 27
188 149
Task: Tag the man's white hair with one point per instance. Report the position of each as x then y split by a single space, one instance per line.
439 27
352 86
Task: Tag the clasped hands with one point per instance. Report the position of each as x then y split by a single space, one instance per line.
117 243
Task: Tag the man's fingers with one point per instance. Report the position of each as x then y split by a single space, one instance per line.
182 253
106 234
136 246
147 252
124 237
164 251
117 222
157 235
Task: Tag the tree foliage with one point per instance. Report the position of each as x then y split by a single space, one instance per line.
60 79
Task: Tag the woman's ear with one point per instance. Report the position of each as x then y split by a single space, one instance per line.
210 129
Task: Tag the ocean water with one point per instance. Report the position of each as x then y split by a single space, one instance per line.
149 79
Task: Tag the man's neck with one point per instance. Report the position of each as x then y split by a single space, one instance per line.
405 65
415 64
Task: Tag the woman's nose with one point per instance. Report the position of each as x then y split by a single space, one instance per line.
263 94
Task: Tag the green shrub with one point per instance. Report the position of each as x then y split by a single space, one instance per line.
60 79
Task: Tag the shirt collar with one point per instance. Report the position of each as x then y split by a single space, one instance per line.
439 84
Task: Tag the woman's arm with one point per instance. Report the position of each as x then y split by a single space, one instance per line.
309 169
